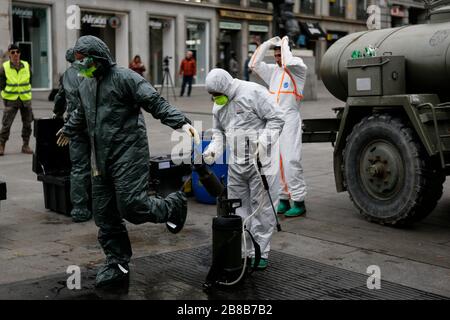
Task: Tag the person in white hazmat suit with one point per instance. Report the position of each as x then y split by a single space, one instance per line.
286 80
244 114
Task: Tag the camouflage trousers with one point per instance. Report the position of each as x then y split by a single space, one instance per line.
9 114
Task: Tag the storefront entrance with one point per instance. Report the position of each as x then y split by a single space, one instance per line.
229 41
31 31
101 26
197 41
162 49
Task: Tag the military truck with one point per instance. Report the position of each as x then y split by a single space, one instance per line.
392 138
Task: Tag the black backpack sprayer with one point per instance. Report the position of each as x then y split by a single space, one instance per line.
228 229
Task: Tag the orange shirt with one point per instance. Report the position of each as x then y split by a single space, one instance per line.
188 67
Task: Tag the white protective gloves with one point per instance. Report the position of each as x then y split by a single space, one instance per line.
190 130
62 139
209 156
275 41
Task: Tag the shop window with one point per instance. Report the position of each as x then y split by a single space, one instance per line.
333 36
229 42
156 55
101 26
30 33
397 22
162 48
258 33
337 8
361 9
196 41
258 4
398 16
417 15
307 6
236 2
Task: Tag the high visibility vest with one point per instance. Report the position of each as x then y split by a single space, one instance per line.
17 82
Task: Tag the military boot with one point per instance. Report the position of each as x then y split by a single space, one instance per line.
178 212
26 148
2 149
81 214
111 274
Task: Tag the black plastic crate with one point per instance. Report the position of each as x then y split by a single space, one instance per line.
2 190
56 193
167 175
48 158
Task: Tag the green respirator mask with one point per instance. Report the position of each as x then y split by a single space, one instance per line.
221 100
85 67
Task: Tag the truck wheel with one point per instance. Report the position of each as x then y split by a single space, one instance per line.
388 174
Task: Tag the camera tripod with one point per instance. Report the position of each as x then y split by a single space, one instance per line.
166 80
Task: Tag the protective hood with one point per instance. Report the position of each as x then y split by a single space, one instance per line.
220 81
70 55
96 48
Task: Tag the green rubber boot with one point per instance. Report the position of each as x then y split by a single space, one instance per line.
263 262
283 206
297 210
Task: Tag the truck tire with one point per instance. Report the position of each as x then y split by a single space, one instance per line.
388 174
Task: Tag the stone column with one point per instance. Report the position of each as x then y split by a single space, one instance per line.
321 47
5 27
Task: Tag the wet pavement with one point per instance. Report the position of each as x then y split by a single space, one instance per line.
179 275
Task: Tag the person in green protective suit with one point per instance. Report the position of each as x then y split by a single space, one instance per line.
80 174
111 101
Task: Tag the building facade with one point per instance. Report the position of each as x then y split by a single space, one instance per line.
158 31
161 31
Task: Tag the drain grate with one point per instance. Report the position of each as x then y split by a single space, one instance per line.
180 275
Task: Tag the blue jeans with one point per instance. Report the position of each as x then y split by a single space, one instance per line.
186 80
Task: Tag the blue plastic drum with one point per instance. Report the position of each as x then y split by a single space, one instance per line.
219 169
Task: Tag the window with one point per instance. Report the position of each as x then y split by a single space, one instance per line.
361 8
258 4
307 6
236 2
337 8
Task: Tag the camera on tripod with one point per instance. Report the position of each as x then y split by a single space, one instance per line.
167 79
166 60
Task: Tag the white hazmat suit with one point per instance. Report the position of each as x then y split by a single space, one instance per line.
247 119
286 85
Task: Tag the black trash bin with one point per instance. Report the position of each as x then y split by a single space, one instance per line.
52 165
167 175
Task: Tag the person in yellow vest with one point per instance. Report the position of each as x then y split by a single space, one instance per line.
15 86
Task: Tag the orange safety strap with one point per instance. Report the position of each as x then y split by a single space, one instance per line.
297 95
279 87
283 178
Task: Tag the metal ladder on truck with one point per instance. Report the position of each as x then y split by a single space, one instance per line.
440 112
